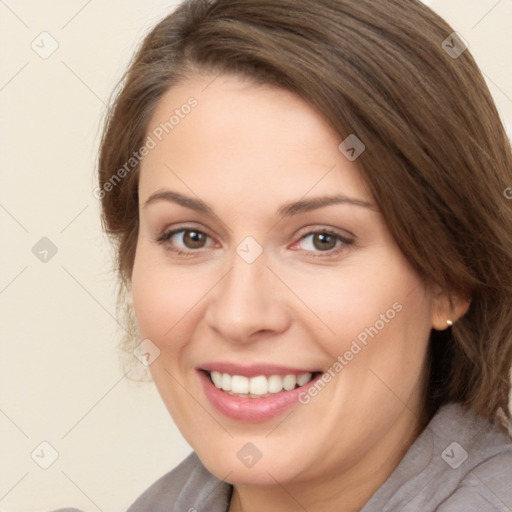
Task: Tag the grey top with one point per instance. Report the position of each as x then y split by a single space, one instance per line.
459 463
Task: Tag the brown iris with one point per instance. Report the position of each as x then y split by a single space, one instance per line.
194 239
324 241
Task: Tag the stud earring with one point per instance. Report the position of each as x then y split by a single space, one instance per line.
449 322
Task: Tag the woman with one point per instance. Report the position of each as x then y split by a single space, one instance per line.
307 201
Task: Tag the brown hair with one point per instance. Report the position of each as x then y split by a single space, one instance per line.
437 158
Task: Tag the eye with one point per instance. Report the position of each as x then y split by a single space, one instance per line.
323 242
319 242
185 240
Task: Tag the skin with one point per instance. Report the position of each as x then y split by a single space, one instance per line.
246 150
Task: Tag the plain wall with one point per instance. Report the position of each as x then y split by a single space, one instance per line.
60 380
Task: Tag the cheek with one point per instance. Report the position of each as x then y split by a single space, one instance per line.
344 302
164 300
377 319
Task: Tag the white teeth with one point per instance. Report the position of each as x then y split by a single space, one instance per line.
289 382
275 384
217 379
303 379
239 384
258 386
226 382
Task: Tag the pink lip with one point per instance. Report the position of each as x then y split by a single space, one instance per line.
252 409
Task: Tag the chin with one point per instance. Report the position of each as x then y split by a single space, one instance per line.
241 462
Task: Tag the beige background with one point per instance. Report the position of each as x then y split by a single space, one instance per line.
59 376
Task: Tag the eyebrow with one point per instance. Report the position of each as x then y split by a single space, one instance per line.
306 205
287 210
185 201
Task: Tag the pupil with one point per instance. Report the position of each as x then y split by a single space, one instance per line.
324 242
194 239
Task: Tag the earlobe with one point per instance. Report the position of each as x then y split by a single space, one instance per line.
447 310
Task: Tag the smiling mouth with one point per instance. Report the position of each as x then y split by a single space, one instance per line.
260 386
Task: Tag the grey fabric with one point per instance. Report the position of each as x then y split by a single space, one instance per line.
475 474
429 477
187 488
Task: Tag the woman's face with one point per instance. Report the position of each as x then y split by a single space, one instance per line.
261 254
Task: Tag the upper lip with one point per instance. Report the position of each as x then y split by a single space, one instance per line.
253 370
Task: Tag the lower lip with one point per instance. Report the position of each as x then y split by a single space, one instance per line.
251 409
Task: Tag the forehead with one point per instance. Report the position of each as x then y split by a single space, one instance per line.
232 134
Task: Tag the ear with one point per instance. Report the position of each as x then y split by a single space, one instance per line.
447 310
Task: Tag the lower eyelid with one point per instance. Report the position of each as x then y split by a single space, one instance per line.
166 237
344 240
168 234
165 240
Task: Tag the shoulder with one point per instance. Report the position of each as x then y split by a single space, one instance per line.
189 486
486 483
459 462
474 462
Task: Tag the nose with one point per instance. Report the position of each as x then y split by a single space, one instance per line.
248 304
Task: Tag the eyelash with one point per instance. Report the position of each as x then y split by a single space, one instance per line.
167 235
345 242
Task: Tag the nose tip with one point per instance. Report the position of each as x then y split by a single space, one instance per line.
247 305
